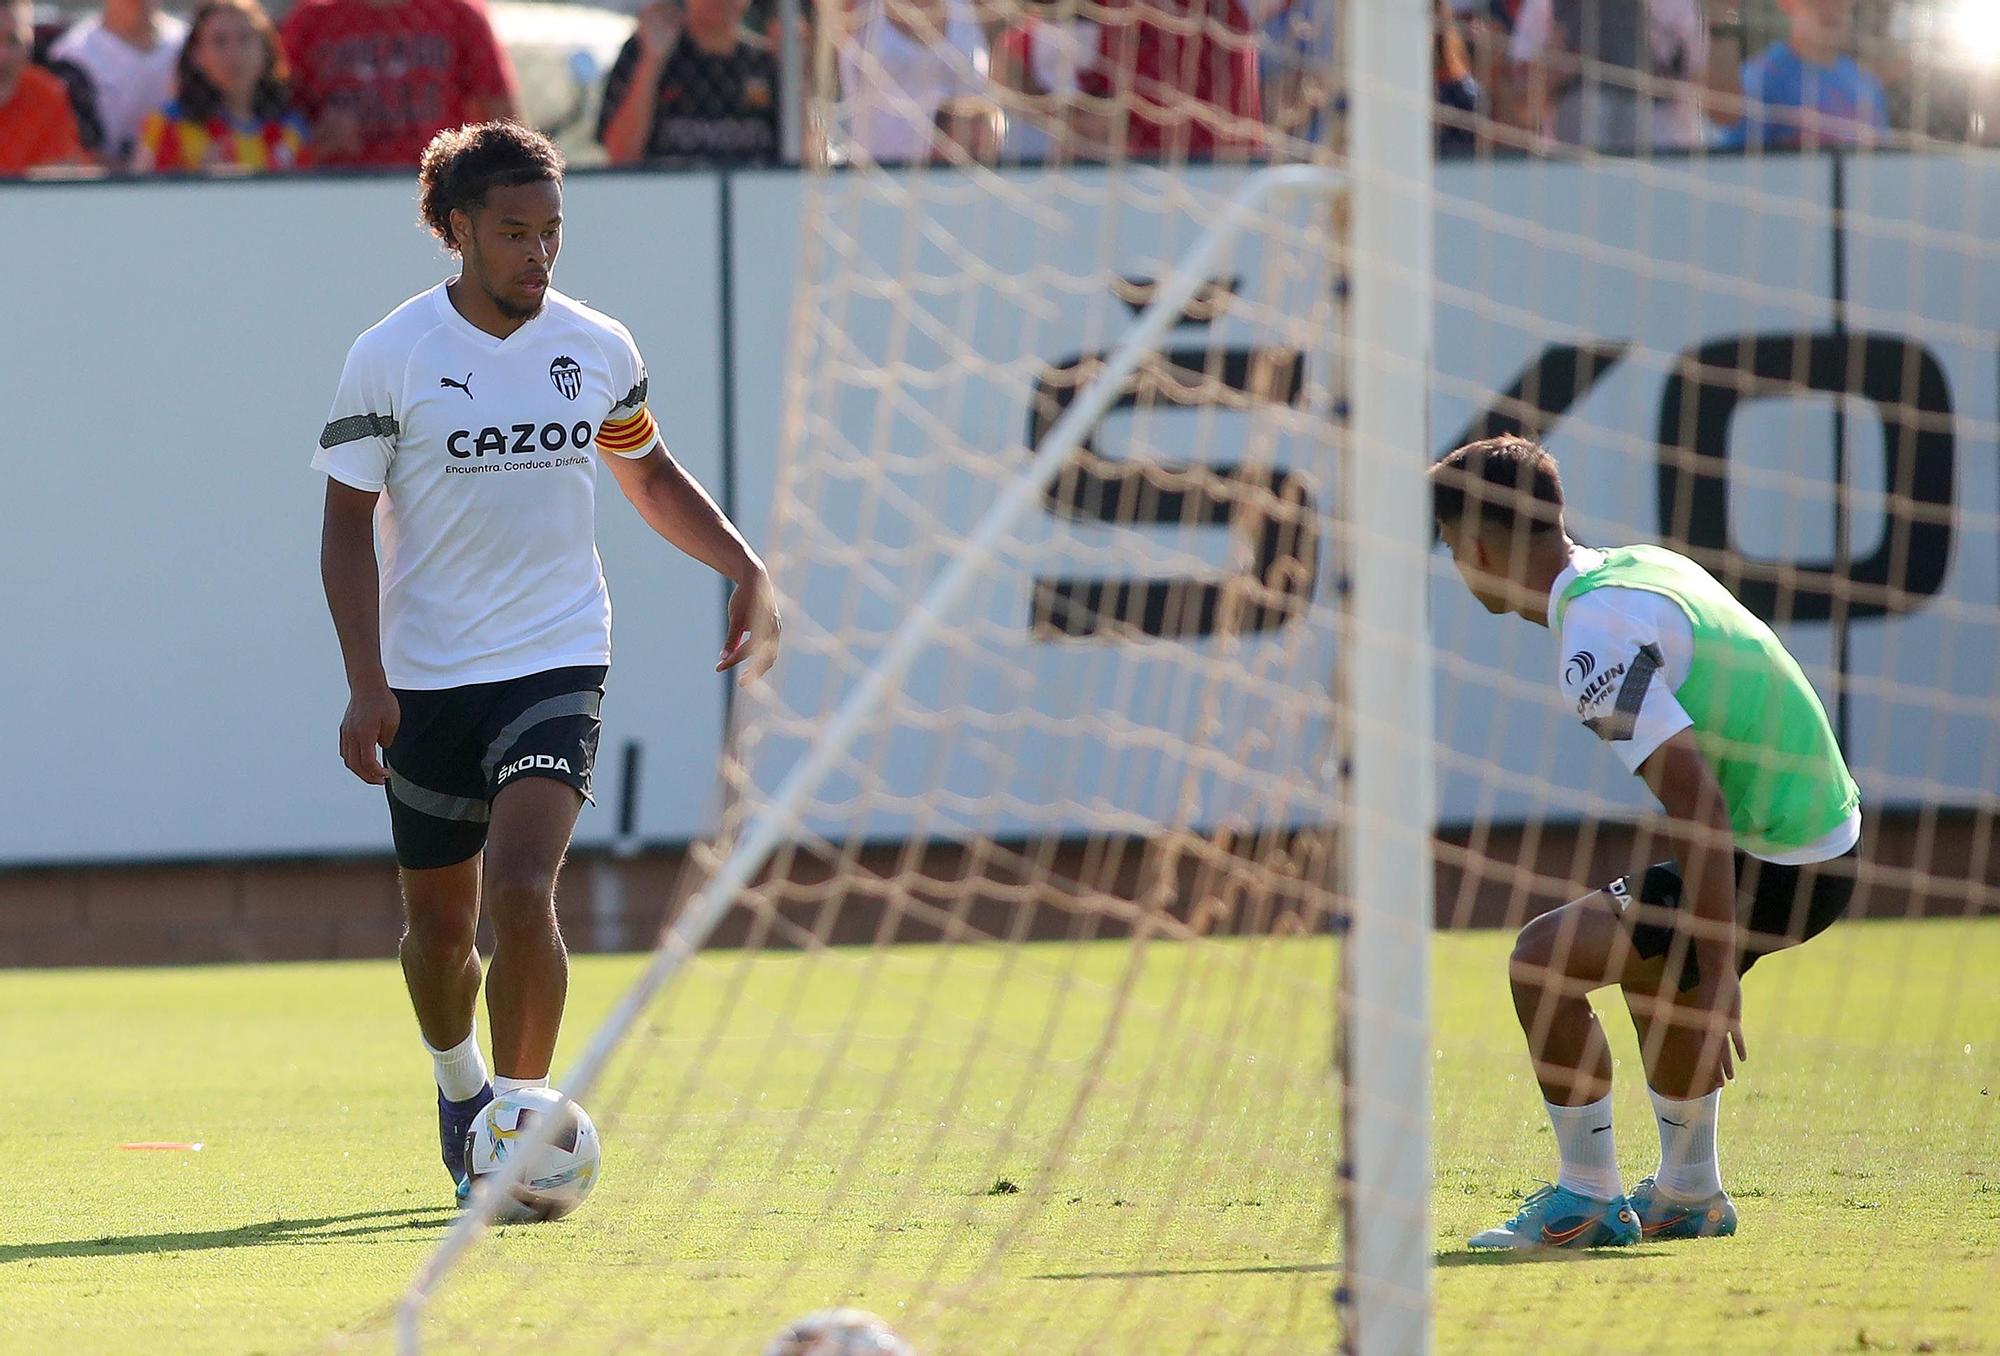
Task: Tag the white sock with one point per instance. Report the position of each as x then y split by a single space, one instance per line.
503 1086
1688 1169
1589 1159
461 1070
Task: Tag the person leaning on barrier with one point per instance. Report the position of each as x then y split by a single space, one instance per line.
901 63
1807 92
37 126
1620 76
232 111
121 65
377 79
692 86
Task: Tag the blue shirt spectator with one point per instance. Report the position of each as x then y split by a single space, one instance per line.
1807 92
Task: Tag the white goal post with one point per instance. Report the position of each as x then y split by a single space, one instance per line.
1390 812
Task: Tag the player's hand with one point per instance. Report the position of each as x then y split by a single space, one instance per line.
659 28
1721 999
754 628
370 723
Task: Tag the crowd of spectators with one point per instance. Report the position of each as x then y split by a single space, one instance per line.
365 83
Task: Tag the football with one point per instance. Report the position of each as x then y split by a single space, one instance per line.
560 1174
838 1332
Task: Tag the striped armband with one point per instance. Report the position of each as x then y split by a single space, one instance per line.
628 437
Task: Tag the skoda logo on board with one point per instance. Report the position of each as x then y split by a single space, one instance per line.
567 376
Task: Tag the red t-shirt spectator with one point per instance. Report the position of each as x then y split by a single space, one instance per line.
378 80
1187 72
36 125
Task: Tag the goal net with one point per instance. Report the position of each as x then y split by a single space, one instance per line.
1060 978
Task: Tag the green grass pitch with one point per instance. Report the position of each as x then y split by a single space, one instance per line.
1185 1209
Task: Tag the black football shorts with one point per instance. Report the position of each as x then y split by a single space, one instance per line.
458 746
1776 906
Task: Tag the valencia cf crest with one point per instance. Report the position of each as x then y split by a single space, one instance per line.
567 376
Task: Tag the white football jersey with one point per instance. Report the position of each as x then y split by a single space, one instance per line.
483 450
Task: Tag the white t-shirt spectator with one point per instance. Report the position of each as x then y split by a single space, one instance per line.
1052 53
892 85
129 83
1594 112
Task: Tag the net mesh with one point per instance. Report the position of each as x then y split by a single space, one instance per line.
1050 945
1028 1045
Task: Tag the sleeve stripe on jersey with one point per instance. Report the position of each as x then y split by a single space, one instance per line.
356 427
1623 721
634 398
626 436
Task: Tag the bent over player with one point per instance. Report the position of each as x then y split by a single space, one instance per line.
464 439
1698 698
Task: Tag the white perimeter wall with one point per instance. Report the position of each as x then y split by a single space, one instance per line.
169 683
167 356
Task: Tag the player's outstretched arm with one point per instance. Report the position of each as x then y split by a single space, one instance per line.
674 504
1698 827
347 568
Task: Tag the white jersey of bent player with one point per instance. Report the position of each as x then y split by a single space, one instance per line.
561 1173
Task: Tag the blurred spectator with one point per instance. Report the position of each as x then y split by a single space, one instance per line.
127 56
1807 92
1295 66
1171 80
1036 60
1457 90
1612 75
697 90
1488 26
967 129
902 63
377 79
37 126
233 109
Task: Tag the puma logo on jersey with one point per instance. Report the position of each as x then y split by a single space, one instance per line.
465 386
517 438
534 762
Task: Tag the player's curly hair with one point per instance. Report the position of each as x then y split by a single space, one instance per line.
463 164
1509 482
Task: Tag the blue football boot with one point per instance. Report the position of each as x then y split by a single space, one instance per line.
1555 1217
454 1132
1662 1216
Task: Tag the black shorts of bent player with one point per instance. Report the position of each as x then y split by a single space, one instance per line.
457 746
1776 907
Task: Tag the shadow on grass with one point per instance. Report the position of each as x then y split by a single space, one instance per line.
1507 1257
1455 1258
277 1231
1274 1269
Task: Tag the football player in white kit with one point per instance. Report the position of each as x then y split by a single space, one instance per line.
464 440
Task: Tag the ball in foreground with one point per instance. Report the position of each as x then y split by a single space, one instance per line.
559 1174
839 1332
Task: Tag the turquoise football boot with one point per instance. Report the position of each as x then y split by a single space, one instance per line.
1555 1217
454 1137
1662 1216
